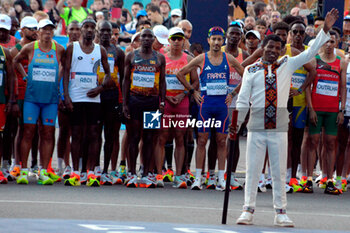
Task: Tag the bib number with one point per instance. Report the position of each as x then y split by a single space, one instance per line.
86 80
143 79
172 83
110 63
297 80
1 77
217 88
328 88
44 74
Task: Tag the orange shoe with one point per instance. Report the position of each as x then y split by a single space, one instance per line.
159 181
295 184
15 172
303 180
323 183
53 175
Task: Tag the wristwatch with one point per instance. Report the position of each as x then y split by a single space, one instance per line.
342 111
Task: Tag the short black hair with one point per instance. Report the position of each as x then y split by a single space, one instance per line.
141 22
115 25
334 33
288 19
260 22
296 22
280 26
320 18
259 6
196 47
138 3
274 38
153 8
336 29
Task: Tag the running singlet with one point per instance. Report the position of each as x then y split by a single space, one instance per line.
111 54
42 83
83 74
213 80
347 105
173 85
2 75
10 44
144 75
20 83
235 78
325 90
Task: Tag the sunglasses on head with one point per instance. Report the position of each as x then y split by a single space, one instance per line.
301 32
235 23
174 38
216 31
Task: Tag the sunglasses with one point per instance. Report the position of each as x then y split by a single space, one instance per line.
32 29
235 23
301 32
179 38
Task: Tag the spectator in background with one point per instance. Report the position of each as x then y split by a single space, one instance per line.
153 13
40 15
142 24
294 11
75 12
14 25
155 2
346 33
141 16
36 5
196 49
6 8
275 18
135 8
125 18
117 3
319 21
107 5
49 5
135 43
259 9
252 41
20 6
310 31
187 27
61 26
249 23
115 33
261 28
266 18
99 16
98 5
175 14
165 8
269 9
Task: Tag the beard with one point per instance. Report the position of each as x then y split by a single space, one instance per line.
31 38
249 27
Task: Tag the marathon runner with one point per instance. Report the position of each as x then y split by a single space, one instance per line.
81 95
41 97
144 90
214 79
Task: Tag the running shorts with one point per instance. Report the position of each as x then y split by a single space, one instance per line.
85 112
139 104
2 117
32 111
176 113
328 120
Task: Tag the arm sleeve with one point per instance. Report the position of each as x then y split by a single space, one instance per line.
307 55
244 97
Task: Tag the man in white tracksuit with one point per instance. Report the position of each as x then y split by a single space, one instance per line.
265 91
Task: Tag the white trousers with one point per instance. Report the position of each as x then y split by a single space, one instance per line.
276 144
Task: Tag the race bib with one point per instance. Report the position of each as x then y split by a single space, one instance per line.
1 77
326 87
43 74
86 80
110 63
172 83
347 89
298 80
217 88
143 79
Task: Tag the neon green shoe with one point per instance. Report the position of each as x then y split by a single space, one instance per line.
303 180
53 176
295 184
44 178
23 177
92 181
74 180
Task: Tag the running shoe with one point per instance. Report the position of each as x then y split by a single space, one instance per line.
338 184
308 187
303 180
323 183
98 172
56 178
92 180
179 183
206 178
246 218
220 185
34 171
235 185
44 178
188 179
3 179
192 177
330 189
106 179
66 173
140 171
152 176
131 181
122 170
268 183
288 188
23 177
74 180
197 184
344 185
116 178
261 186
7 174
83 178
16 171
168 177
283 220
147 182
318 179
211 184
295 185
159 181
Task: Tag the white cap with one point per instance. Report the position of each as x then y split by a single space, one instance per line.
5 22
161 33
176 12
99 13
134 36
176 30
254 32
29 22
45 22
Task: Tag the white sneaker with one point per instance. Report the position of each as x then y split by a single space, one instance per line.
197 184
283 220
98 172
83 178
235 185
246 218
221 185
211 182
132 181
261 187
338 185
106 179
289 189
147 182
318 179
268 183
67 172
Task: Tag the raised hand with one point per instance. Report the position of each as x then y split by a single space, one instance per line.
330 19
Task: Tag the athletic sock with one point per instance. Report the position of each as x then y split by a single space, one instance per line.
221 174
211 172
80 163
289 174
198 173
122 163
60 163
